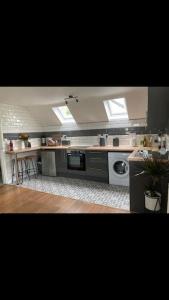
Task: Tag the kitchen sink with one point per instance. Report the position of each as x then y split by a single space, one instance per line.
153 154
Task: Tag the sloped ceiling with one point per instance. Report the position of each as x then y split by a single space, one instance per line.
137 104
44 115
87 111
29 96
40 100
92 109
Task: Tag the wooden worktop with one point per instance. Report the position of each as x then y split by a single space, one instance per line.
132 157
87 148
23 150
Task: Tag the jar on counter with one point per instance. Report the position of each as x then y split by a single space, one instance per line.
133 139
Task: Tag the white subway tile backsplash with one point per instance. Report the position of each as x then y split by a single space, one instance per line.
17 118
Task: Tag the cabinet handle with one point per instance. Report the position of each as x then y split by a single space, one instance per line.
94 158
93 152
96 169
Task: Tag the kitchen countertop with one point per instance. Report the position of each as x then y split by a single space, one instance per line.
92 148
16 151
132 157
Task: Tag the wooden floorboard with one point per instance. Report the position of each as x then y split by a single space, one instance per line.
15 199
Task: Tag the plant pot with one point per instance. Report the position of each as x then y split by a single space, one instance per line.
153 203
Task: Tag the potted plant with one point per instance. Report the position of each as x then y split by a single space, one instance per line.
156 169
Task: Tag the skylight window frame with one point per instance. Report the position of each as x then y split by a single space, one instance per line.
115 116
61 117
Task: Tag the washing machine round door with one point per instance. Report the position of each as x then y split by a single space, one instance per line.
121 168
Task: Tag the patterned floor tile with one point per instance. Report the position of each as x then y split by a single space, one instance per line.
89 191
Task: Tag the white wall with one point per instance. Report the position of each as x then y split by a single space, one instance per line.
44 114
14 119
17 119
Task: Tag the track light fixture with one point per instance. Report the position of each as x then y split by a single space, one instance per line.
70 97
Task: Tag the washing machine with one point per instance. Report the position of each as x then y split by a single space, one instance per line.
118 168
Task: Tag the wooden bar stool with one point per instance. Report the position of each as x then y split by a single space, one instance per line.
22 169
32 165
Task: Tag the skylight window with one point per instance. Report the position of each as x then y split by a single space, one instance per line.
116 109
64 115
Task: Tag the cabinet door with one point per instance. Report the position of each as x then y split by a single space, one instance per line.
48 163
137 187
61 160
97 165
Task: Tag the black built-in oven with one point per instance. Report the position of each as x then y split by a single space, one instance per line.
76 160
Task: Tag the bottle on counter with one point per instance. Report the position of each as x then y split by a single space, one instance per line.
150 141
10 145
144 142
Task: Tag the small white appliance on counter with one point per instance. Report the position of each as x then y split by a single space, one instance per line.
118 168
65 141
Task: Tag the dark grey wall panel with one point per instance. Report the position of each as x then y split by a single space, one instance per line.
76 133
14 136
94 132
158 109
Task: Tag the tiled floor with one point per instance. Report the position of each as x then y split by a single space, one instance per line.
89 191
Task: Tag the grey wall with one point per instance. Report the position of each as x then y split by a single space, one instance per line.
73 133
158 108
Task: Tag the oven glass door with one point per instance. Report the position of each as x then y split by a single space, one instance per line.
76 161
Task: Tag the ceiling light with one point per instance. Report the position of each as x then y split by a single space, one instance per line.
70 97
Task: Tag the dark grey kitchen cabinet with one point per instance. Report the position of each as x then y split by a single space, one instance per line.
97 166
61 166
48 163
137 187
158 109
61 160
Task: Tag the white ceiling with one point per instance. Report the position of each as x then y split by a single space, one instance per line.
29 96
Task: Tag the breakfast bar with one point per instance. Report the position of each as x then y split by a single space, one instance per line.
15 154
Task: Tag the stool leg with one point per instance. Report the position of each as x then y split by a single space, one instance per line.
22 170
34 171
13 167
19 172
26 168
